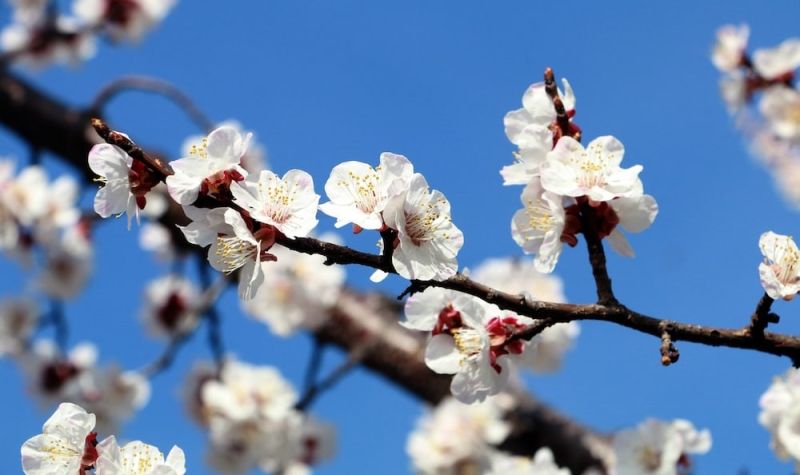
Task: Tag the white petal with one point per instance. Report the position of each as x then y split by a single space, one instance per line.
442 356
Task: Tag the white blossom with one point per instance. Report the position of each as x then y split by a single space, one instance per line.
55 377
254 159
18 320
733 88
156 238
245 392
251 418
775 62
358 193
9 228
780 406
781 107
529 129
60 211
298 290
477 352
41 44
112 394
171 306
594 171
534 142
730 47
115 197
537 109
455 435
780 270
125 19
515 276
656 448
289 203
138 458
636 213
428 241
211 165
68 265
27 195
543 463
64 445
538 227
29 12
233 246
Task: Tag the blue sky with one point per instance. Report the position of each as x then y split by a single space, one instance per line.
322 82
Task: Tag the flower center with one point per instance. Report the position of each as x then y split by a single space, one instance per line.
234 252
787 269
364 190
172 311
279 199
539 216
650 458
468 341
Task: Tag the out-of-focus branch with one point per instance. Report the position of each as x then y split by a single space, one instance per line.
396 353
155 86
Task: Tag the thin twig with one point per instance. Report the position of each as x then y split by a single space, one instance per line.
313 392
761 316
155 86
314 364
122 141
212 317
60 324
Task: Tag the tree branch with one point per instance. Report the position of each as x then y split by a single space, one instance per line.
397 353
155 86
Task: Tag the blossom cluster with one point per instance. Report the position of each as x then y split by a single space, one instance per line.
569 188
241 215
250 415
657 447
475 341
41 35
764 79
110 392
456 438
393 198
68 445
41 225
780 415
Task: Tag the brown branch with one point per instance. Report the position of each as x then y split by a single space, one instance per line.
49 124
125 143
597 256
551 88
761 316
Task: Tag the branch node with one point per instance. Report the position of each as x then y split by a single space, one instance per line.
413 288
762 317
669 353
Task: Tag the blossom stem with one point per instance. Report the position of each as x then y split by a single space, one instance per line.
762 317
597 256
